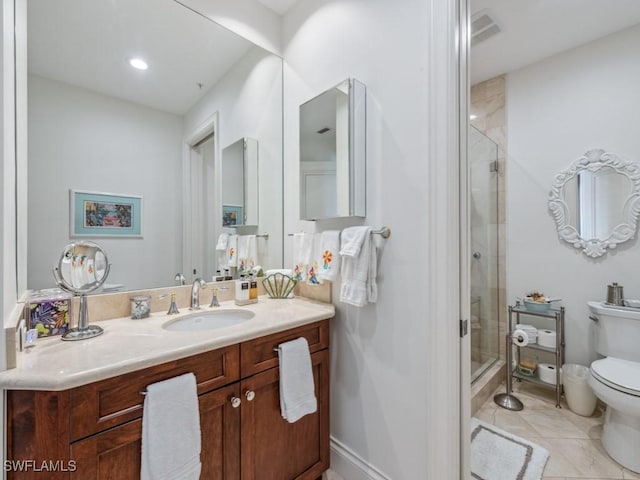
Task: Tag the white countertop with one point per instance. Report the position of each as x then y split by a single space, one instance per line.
128 345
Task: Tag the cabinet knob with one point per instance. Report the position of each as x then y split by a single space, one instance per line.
250 394
235 402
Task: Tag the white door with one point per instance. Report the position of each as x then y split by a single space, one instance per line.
201 212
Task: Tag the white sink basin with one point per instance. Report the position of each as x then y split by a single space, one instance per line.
209 320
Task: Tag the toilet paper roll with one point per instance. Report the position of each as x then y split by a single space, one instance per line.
520 338
547 373
547 338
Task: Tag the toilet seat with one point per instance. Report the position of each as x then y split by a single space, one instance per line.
621 375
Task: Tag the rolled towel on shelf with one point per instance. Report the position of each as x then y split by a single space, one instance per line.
171 430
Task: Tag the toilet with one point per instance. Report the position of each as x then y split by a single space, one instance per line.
616 380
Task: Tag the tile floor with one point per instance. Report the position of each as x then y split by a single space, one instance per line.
572 441
331 475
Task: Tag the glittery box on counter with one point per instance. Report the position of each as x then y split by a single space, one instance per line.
50 312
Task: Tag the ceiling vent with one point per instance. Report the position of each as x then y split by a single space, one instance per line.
482 27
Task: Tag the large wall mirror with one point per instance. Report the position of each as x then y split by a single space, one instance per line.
332 153
96 123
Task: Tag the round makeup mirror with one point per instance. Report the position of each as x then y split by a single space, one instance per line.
83 268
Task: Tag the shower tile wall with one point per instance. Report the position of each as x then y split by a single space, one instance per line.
488 106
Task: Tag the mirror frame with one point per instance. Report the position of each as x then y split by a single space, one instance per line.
594 160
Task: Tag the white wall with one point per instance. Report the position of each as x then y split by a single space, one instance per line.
394 388
87 141
248 99
557 109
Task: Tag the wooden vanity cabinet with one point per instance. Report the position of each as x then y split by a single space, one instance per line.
95 430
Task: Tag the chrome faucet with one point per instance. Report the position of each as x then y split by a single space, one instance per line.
198 283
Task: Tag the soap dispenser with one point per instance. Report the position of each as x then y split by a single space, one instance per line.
242 291
253 288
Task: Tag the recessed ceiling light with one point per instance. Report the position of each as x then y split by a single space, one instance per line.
472 117
138 63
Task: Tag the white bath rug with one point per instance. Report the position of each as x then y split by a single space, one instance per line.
498 455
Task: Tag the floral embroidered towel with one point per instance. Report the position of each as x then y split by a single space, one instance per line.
302 249
329 261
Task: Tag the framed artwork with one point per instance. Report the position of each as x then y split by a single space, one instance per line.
232 215
95 214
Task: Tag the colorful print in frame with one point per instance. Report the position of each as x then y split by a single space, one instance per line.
95 214
232 215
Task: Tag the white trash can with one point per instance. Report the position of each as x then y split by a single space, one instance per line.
580 396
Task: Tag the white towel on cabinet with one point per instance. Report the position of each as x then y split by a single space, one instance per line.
297 389
171 430
359 267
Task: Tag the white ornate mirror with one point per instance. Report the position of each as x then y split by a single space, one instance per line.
596 202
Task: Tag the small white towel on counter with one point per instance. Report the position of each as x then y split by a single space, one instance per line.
232 251
302 250
329 255
297 389
359 267
171 430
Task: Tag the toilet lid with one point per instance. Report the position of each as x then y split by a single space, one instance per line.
621 375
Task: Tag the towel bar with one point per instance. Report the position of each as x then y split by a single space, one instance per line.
385 232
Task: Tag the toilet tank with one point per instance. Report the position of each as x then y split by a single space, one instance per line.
617 331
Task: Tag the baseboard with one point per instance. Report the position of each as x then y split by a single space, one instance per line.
350 466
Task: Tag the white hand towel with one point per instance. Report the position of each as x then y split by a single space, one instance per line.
252 251
359 267
313 268
223 240
243 252
297 393
302 247
232 251
221 251
329 255
171 430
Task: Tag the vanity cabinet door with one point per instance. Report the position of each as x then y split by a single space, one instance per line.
272 448
115 454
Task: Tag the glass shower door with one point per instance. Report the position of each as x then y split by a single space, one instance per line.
483 157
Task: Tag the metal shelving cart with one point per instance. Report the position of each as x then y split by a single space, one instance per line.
507 400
